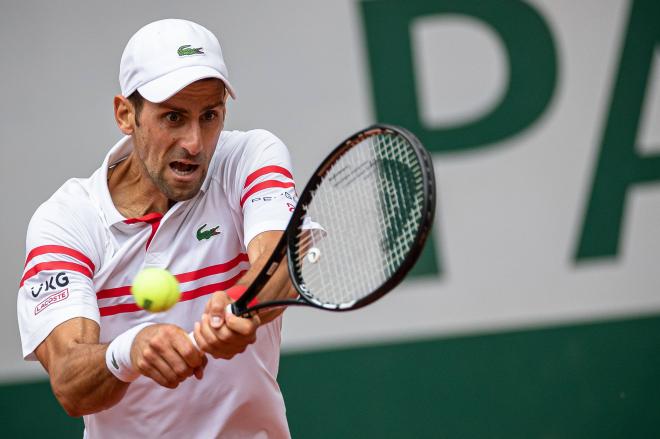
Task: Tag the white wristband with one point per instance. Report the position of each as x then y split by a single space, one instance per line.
118 354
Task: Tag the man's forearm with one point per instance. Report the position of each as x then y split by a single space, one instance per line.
75 362
279 286
82 382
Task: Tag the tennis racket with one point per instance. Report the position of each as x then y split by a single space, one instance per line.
359 225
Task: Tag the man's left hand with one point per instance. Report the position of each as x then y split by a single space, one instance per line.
222 334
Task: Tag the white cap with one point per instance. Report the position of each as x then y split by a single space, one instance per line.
166 56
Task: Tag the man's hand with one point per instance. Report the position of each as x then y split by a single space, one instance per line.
165 354
222 334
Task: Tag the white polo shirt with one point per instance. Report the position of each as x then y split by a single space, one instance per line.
82 255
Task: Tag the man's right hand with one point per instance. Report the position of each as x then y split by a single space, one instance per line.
166 354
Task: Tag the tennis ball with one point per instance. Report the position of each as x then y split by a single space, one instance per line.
155 290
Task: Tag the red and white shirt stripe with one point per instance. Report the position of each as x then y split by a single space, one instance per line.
82 255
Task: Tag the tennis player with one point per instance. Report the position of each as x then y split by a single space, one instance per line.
175 192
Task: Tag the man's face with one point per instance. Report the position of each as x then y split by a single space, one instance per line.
175 139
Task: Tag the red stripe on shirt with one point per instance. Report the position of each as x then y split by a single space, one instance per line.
45 249
265 185
55 265
267 170
187 295
183 277
154 228
212 288
213 269
113 292
152 217
118 309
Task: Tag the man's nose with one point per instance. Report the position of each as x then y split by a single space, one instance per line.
192 140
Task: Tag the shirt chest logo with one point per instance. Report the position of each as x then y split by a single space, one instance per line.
208 233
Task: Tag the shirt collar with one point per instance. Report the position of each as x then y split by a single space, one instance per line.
117 153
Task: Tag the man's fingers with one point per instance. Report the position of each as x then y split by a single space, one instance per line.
241 325
177 364
199 372
206 338
154 366
216 308
153 373
171 346
224 342
187 351
222 334
166 354
238 331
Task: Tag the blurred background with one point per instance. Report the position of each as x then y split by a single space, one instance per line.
535 310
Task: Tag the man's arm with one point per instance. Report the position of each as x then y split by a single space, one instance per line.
279 286
80 379
211 329
75 363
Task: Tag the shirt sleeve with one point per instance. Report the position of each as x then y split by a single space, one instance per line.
57 280
266 185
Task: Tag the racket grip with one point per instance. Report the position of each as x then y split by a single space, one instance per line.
191 334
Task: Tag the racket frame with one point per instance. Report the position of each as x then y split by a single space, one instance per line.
287 245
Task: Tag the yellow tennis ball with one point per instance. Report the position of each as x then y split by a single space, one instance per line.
155 290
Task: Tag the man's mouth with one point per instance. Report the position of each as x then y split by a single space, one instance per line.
183 168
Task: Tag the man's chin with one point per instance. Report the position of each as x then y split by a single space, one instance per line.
178 190
178 193
181 197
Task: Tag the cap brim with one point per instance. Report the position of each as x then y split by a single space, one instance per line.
166 86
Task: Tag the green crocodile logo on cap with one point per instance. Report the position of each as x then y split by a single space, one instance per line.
187 50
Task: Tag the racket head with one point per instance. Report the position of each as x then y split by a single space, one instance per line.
396 213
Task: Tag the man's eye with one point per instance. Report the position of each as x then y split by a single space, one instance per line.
210 115
173 117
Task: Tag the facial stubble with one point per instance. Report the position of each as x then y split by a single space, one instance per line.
157 176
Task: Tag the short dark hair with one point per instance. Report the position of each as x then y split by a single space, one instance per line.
137 101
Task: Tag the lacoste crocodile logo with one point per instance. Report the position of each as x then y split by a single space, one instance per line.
114 362
187 50
207 234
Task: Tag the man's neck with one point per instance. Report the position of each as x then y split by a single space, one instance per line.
132 192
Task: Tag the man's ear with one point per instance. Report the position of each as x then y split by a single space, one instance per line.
124 115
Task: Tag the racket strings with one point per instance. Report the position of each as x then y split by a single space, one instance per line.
401 190
341 210
370 205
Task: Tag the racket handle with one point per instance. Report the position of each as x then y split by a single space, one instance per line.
191 334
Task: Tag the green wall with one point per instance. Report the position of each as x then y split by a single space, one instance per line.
29 410
588 381
597 380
